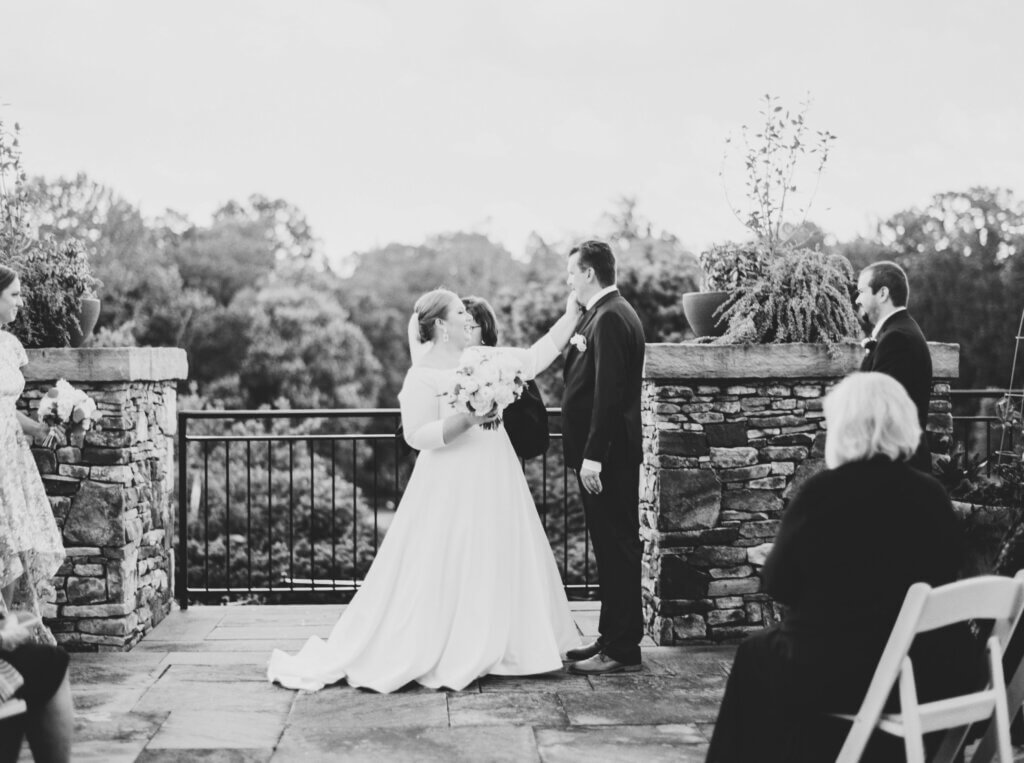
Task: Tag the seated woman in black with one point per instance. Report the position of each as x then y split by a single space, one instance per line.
36 673
852 541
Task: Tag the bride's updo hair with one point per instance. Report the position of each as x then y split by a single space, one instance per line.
7 277
431 306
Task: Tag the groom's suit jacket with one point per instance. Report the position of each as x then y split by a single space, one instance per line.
902 352
601 402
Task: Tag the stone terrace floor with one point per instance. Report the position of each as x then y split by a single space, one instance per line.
195 690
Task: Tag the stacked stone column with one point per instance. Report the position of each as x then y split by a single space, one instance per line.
111 492
729 432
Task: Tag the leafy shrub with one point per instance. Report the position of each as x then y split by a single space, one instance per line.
804 296
728 266
54 277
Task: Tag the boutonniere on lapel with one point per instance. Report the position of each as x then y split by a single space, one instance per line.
868 344
579 342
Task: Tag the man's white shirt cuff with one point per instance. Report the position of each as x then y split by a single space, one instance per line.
594 466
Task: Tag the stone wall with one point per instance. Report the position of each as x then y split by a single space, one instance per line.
729 433
110 491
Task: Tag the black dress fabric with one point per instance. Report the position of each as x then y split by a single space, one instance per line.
43 668
526 422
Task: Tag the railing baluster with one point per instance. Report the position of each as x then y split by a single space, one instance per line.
376 494
206 513
334 509
565 520
248 511
355 522
227 515
182 573
270 514
312 517
291 514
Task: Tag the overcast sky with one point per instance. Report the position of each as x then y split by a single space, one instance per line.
391 121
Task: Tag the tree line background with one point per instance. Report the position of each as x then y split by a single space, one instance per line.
268 321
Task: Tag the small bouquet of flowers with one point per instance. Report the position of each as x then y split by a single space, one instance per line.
487 381
65 408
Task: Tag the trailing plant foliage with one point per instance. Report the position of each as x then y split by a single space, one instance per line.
54 277
803 296
729 266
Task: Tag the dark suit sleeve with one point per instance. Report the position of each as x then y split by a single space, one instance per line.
784 573
611 340
894 356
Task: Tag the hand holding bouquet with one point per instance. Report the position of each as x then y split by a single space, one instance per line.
65 408
487 381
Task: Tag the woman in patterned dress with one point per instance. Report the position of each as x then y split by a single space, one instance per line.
31 550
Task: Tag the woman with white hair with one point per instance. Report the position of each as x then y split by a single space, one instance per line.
852 541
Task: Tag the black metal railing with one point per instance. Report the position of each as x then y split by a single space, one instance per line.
291 505
976 427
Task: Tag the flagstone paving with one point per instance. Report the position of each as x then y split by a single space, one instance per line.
195 689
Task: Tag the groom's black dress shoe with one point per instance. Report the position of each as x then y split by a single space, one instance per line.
601 664
584 652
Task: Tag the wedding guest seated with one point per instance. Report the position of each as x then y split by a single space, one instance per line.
852 541
37 674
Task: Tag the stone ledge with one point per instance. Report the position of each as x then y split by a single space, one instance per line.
113 364
688 360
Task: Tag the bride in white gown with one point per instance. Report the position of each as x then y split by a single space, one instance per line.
464 583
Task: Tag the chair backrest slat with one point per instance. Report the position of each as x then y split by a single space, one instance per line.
987 597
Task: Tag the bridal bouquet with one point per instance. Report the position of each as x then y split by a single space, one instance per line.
64 408
487 381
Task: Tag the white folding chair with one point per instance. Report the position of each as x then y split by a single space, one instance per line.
986 749
988 597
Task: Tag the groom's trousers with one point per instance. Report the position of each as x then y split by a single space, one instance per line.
614 524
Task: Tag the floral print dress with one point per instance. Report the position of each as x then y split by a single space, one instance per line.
31 550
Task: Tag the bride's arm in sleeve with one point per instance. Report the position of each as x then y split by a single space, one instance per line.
544 351
421 408
417 349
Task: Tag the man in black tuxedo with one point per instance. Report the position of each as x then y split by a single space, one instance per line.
603 443
897 346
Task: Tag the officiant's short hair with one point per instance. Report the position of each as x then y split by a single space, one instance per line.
482 312
891 276
869 414
597 255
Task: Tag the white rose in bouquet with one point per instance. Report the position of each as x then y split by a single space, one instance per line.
486 381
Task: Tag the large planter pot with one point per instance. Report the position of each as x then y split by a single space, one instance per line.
699 308
88 314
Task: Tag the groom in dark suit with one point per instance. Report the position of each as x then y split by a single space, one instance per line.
897 346
602 441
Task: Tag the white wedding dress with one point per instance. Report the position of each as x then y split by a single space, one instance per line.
464 583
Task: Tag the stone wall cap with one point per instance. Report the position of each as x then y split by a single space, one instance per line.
692 360
106 364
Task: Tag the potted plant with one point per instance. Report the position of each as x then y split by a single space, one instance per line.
725 267
779 290
58 285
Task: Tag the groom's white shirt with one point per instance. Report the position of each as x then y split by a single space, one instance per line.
595 466
594 300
